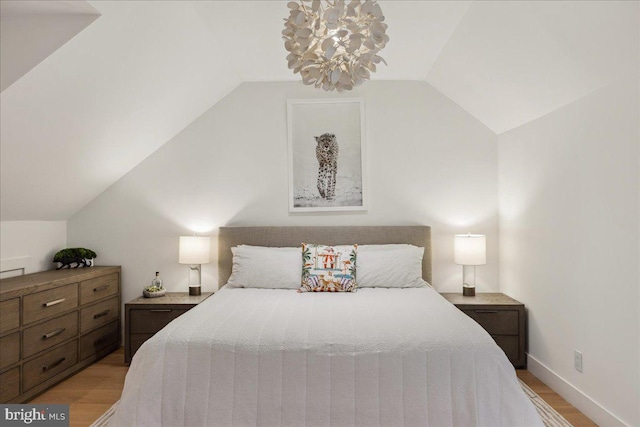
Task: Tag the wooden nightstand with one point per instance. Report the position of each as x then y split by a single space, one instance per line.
501 316
146 316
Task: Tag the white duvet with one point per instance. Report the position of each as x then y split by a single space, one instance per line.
271 357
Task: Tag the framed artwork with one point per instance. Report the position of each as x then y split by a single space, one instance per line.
326 155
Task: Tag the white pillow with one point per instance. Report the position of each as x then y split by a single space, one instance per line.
389 266
264 267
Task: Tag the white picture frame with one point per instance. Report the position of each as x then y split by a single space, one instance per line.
308 120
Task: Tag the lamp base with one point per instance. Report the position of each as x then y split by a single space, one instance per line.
195 290
468 291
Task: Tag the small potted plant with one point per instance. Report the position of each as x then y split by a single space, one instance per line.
74 258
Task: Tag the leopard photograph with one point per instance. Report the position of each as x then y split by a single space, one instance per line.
325 156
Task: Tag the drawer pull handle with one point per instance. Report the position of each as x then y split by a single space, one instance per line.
101 314
161 311
54 364
54 302
486 311
54 333
101 340
101 288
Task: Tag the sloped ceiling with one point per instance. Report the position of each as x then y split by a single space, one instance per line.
32 30
511 62
127 83
103 102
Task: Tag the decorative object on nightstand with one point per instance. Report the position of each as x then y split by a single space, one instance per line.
469 250
144 317
155 290
195 251
502 317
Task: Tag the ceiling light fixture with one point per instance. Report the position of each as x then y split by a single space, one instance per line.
332 44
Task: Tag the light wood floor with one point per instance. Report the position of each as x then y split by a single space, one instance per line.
92 391
575 417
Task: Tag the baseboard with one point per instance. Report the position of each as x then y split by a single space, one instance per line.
571 394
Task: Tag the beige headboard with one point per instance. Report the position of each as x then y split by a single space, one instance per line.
294 236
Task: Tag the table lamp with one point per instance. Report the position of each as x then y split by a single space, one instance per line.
195 251
469 250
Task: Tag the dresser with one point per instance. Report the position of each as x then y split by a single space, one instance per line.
53 324
502 317
146 316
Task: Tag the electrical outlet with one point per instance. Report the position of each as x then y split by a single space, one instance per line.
577 360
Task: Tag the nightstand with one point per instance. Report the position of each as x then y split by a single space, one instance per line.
146 316
501 316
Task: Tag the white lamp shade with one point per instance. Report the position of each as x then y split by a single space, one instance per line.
194 250
470 249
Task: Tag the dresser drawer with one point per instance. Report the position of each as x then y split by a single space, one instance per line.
98 340
53 332
9 384
9 350
98 315
49 365
49 303
496 322
9 314
150 321
101 287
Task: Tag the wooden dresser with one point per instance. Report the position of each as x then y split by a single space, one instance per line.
54 323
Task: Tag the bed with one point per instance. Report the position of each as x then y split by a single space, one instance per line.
271 357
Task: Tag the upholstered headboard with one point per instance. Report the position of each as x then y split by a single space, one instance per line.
294 236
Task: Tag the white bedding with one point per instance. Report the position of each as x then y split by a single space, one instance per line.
377 357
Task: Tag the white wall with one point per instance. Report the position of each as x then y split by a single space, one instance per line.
569 247
38 240
429 163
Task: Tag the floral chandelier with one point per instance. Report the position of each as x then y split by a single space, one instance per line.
332 44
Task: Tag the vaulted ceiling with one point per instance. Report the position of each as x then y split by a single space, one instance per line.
121 78
33 30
